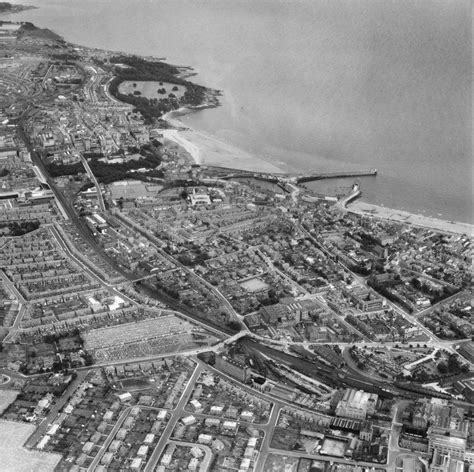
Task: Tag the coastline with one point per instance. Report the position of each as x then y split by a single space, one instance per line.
178 60
206 149
427 222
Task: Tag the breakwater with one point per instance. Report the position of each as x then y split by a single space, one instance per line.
335 175
228 174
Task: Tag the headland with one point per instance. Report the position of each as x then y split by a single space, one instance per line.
6 7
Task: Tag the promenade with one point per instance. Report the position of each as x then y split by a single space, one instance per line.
377 211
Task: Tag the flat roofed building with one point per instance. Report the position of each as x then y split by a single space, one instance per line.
233 368
107 458
193 464
205 438
142 451
136 463
189 420
149 438
357 404
441 444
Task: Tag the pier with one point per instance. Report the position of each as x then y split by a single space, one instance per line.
228 174
335 175
355 192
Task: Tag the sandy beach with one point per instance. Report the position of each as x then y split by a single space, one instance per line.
378 211
208 150
205 149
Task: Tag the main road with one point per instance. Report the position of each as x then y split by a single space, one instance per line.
91 175
89 239
268 432
155 456
109 439
53 413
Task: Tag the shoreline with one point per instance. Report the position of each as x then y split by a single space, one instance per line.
209 150
377 211
205 149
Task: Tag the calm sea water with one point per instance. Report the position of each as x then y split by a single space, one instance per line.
320 85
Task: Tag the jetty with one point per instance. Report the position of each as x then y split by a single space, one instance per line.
335 175
226 173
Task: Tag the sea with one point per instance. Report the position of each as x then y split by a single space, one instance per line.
316 85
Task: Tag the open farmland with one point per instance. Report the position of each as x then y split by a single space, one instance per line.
17 459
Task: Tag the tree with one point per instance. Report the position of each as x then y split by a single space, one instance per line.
234 325
19 229
453 364
442 368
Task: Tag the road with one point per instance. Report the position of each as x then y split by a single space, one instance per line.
206 462
264 396
272 267
137 360
302 454
320 371
13 330
428 310
12 287
62 243
109 439
178 411
22 306
295 192
91 175
341 204
89 239
433 339
57 407
66 205
186 269
268 433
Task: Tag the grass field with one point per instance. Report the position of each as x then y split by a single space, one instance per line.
280 463
149 89
333 447
6 398
254 285
15 458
